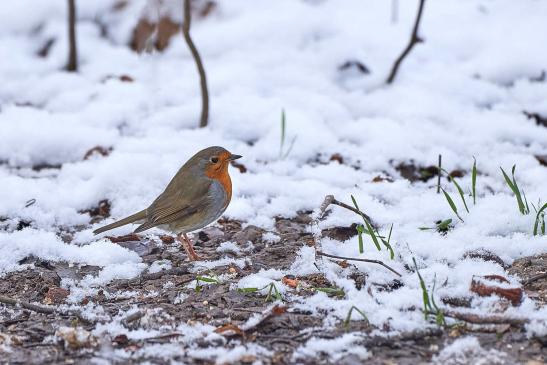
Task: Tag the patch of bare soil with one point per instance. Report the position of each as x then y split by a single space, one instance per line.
28 337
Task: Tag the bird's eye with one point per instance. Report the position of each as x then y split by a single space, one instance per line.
214 159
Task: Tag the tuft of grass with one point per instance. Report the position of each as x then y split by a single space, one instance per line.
282 153
360 232
451 204
348 317
441 226
370 231
539 223
336 292
474 180
430 306
521 197
205 279
458 187
273 292
439 315
373 233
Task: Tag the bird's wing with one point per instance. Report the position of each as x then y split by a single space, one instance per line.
175 204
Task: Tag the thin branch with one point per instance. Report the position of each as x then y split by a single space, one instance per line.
40 309
537 277
201 70
320 253
132 317
329 199
439 175
489 319
26 305
72 64
414 38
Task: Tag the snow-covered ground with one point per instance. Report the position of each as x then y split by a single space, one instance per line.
460 94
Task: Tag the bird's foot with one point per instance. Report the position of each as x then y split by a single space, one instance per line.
187 245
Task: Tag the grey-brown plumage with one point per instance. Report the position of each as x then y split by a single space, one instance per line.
196 196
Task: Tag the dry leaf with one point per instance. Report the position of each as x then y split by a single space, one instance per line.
290 281
514 295
55 295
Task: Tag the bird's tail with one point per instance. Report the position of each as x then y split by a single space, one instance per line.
122 222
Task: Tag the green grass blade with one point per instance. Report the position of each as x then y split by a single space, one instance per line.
360 237
206 279
439 317
339 292
512 185
526 203
354 202
389 235
373 235
425 295
540 216
348 317
474 180
458 187
508 180
247 290
387 244
451 203
290 148
522 207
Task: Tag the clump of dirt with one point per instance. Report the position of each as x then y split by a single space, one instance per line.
533 273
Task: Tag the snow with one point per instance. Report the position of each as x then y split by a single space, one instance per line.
467 350
337 348
461 94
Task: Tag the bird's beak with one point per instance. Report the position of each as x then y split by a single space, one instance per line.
234 157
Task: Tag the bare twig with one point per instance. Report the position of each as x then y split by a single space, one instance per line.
40 309
329 199
72 64
534 278
439 175
378 262
414 38
26 305
201 70
490 319
132 317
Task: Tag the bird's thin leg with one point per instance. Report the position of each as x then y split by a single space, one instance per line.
187 245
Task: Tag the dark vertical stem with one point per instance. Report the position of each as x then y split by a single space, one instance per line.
72 64
414 38
201 70
439 175
394 11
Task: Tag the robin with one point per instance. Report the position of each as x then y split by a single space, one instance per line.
197 195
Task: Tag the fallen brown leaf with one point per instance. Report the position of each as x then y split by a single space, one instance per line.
165 238
290 281
514 295
230 327
55 295
126 238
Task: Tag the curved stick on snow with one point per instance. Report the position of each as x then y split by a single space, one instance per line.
199 64
320 253
414 38
330 199
488 319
